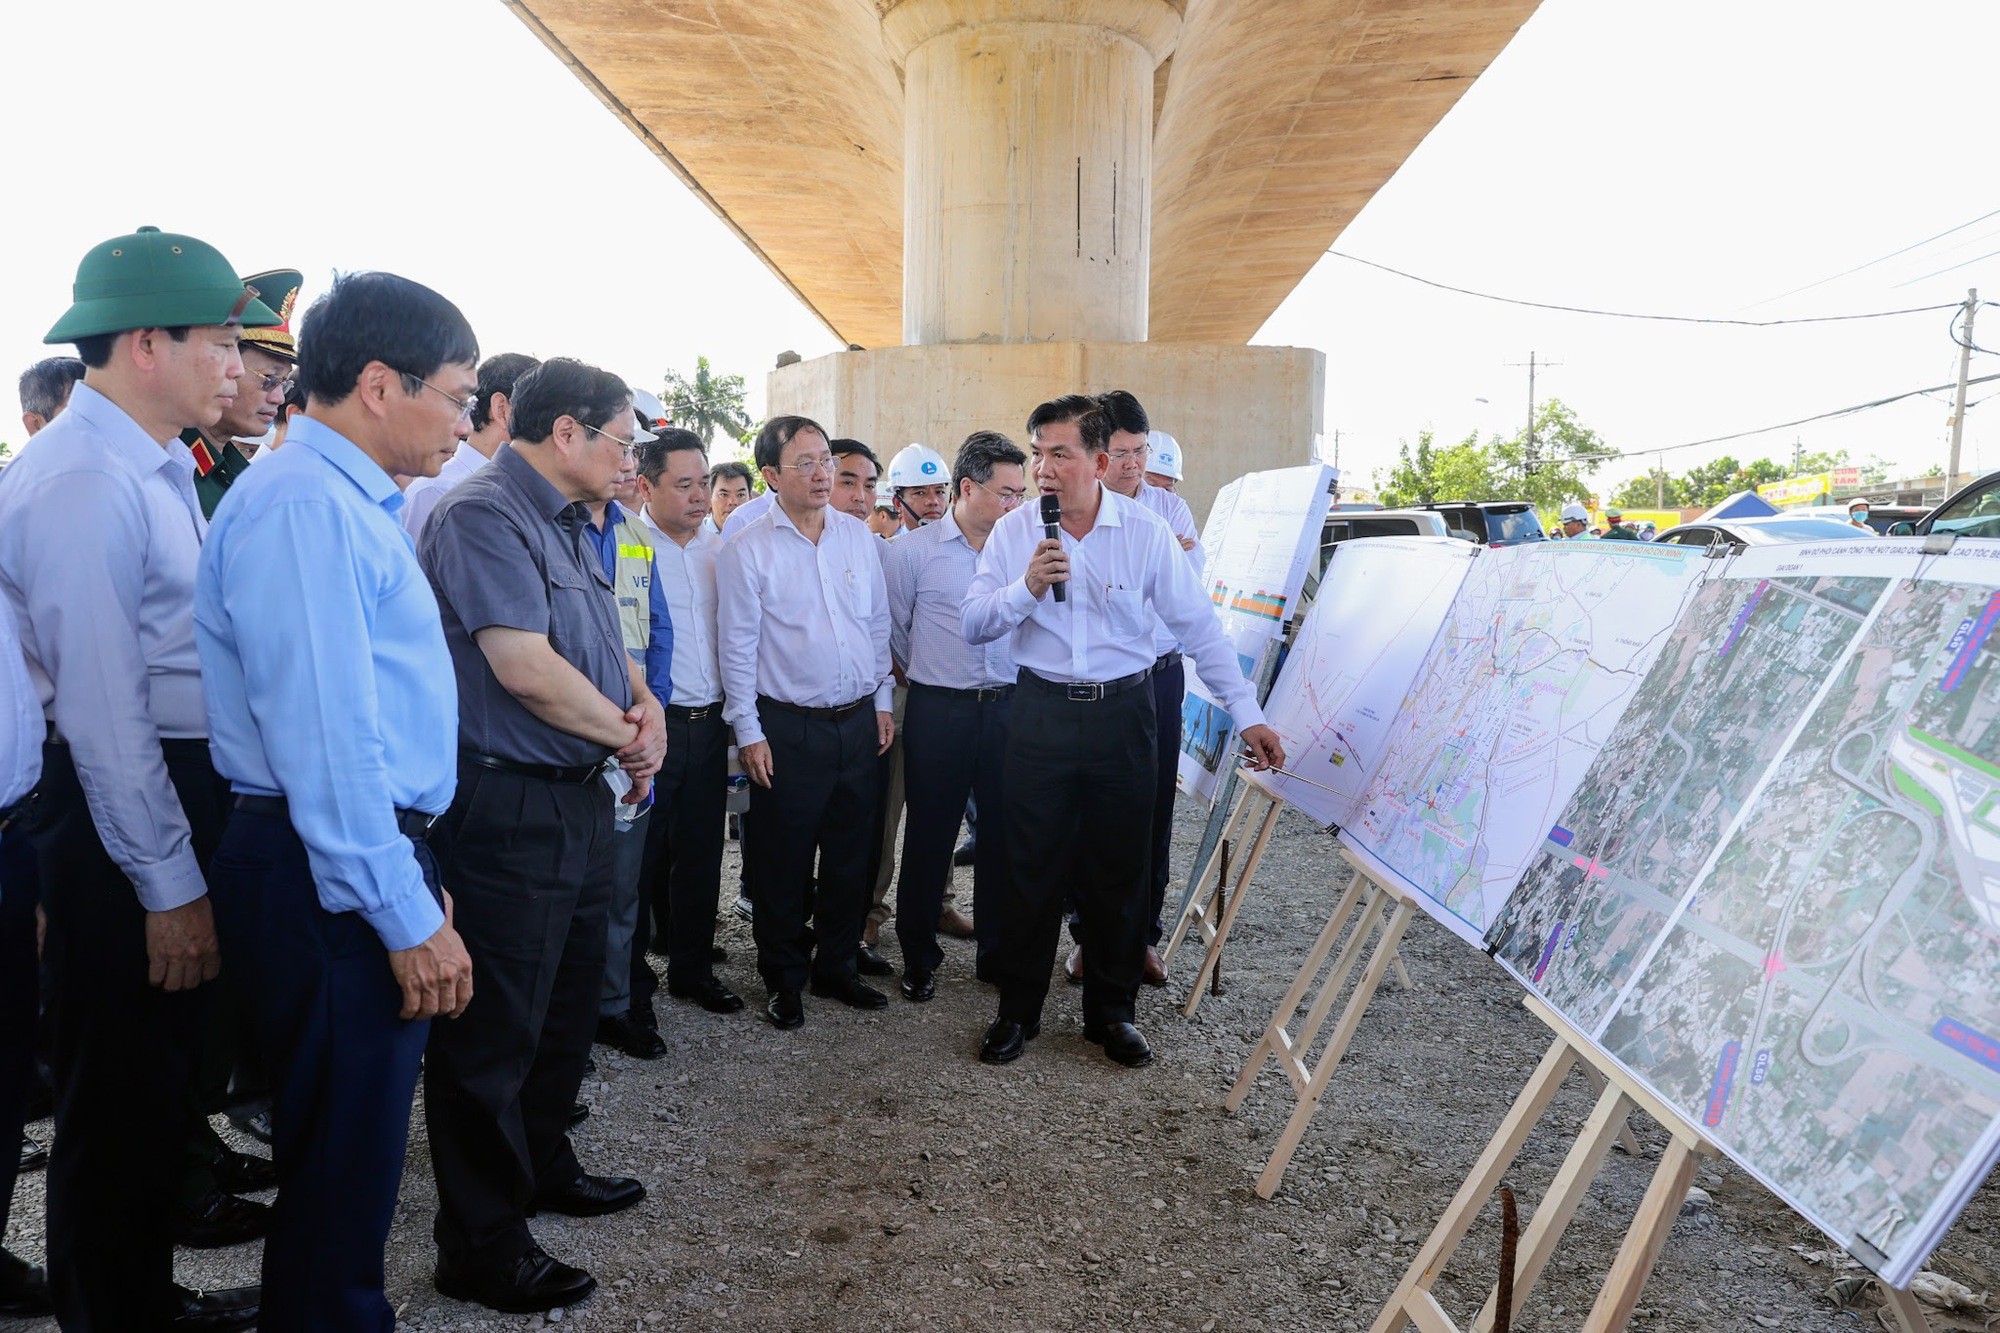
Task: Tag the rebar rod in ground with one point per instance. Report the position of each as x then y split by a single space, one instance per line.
1221 905
1510 1236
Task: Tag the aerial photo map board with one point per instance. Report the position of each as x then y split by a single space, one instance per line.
1259 543
1775 898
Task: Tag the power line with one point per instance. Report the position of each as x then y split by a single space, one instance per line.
1624 314
1880 259
1950 269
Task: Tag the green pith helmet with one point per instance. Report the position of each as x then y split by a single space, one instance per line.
277 289
153 279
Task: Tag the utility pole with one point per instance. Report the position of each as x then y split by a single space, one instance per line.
1660 483
1798 455
1958 399
1528 460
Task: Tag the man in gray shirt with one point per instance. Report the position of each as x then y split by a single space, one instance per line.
547 695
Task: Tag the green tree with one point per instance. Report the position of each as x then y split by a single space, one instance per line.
706 402
1643 492
1711 483
1567 453
1429 474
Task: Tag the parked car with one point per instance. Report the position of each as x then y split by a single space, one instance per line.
1761 531
1882 518
1491 522
1973 512
1346 525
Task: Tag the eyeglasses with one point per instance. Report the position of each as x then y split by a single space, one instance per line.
626 448
805 467
464 405
1007 498
271 384
1126 455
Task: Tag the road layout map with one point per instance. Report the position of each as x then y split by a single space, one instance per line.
1378 610
1804 963
1544 646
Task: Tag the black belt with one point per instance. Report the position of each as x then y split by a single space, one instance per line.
841 710
574 776
1087 691
1167 659
694 714
412 824
986 694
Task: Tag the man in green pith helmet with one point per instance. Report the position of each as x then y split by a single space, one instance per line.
270 357
129 806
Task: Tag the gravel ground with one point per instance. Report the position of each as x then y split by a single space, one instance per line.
866 1172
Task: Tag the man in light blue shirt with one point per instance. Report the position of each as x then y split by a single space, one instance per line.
334 714
24 1288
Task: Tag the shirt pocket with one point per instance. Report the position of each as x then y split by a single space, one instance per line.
861 594
574 599
1125 611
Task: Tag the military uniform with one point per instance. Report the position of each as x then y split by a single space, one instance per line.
218 464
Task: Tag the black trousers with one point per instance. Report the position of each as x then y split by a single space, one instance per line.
681 878
528 864
1077 815
1169 689
954 748
19 980
821 801
328 1022
125 1055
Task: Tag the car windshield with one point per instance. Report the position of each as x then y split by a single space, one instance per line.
1506 526
1803 529
1974 515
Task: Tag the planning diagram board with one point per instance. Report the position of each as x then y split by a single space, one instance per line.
1775 899
1260 541
1544 645
1379 607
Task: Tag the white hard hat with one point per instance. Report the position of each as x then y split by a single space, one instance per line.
650 407
1575 513
918 465
1858 502
884 497
1163 454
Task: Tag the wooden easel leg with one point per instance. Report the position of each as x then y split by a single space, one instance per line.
1403 981
1336 1046
1648 1233
1344 965
1201 896
1213 958
1628 1142
1906 1310
1566 1192
1412 1300
1289 1005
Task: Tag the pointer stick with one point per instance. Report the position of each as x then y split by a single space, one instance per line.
1287 773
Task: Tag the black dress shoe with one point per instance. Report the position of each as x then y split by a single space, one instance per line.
578 1114
214 1311
784 1010
242 1173
852 993
589 1196
710 994
257 1124
1005 1039
1122 1042
869 963
33 1155
717 954
963 854
220 1219
627 1034
24 1289
918 984
530 1285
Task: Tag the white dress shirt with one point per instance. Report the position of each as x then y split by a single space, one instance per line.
100 533
1127 568
927 572
1174 512
687 576
21 724
745 514
800 621
425 492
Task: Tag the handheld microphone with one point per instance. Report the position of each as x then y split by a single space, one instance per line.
1051 516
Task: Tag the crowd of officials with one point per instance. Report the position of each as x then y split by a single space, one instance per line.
367 717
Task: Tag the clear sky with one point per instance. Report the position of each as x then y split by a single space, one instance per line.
1697 158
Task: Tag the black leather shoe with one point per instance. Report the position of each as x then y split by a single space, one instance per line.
1122 1042
869 963
854 994
214 1311
1004 1041
24 1289
531 1284
257 1124
629 1035
784 1010
963 854
711 995
220 1219
33 1155
589 1196
241 1173
578 1114
918 985
717 954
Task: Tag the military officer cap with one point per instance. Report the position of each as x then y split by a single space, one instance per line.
279 290
154 279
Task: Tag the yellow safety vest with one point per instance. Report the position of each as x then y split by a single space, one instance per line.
632 583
